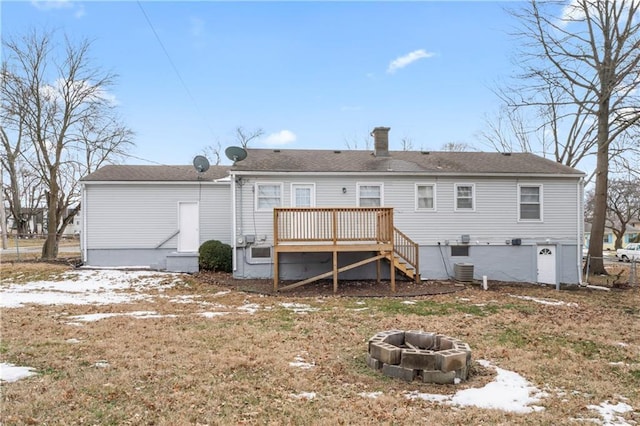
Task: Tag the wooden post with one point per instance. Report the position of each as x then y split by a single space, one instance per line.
393 272
335 271
378 270
276 271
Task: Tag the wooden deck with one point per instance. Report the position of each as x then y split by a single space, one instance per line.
343 229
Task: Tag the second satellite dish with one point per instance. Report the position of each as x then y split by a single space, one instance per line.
235 153
200 163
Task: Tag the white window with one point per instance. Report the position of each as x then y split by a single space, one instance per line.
425 196
268 196
530 202
303 195
369 195
465 197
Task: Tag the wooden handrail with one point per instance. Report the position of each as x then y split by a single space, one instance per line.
332 224
406 248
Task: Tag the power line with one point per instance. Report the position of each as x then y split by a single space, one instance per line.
175 68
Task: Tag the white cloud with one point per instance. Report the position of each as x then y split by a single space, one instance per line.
46 5
283 137
408 59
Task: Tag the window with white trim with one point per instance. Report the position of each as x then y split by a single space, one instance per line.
369 194
465 197
268 196
530 202
425 196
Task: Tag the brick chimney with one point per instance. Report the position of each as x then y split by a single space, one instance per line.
381 141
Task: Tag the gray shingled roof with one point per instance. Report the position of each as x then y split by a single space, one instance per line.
295 160
131 173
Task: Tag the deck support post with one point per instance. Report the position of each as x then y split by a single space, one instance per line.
335 271
276 270
393 272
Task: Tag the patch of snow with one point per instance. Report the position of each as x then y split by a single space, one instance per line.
609 412
299 362
360 302
221 293
298 308
545 301
13 373
304 395
464 299
102 364
357 309
73 340
250 308
622 344
508 392
372 395
409 302
83 287
213 314
135 314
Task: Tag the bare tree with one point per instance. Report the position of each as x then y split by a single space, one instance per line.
212 152
457 147
623 206
406 144
244 137
58 104
355 142
583 69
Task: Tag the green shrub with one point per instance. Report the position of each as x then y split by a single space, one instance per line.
215 256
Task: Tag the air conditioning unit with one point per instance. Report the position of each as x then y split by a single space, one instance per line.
463 272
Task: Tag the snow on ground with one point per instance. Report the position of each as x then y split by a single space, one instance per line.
609 412
298 308
84 287
509 392
545 301
13 373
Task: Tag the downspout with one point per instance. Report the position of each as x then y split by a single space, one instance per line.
83 235
579 238
233 221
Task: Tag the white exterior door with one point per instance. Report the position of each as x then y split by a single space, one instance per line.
547 264
303 195
189 226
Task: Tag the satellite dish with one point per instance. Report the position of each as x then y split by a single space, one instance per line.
235 153
200 163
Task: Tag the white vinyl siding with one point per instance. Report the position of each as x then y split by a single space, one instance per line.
530 203
268 196
425 197
465 194
369 194
494 221
136 216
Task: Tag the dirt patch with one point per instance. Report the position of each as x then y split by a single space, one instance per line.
364 288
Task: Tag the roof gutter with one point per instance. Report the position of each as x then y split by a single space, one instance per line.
412 174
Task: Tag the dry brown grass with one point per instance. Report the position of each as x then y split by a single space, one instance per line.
234 369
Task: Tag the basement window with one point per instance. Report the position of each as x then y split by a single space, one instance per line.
261 253
459 251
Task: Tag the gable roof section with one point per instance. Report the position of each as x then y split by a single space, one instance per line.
294 160
132 173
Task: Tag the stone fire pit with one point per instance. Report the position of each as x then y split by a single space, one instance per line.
410 355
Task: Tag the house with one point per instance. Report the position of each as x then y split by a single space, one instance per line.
609 239
153 216
513 216
297 215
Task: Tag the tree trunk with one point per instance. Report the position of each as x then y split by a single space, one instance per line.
600 196
50 247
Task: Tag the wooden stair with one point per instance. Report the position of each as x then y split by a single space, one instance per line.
406 269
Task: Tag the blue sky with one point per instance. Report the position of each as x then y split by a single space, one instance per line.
310 74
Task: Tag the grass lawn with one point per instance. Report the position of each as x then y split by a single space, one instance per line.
188 352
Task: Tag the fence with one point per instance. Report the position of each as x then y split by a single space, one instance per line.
29 246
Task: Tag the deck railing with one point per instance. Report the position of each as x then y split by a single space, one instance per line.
406 248
333 224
